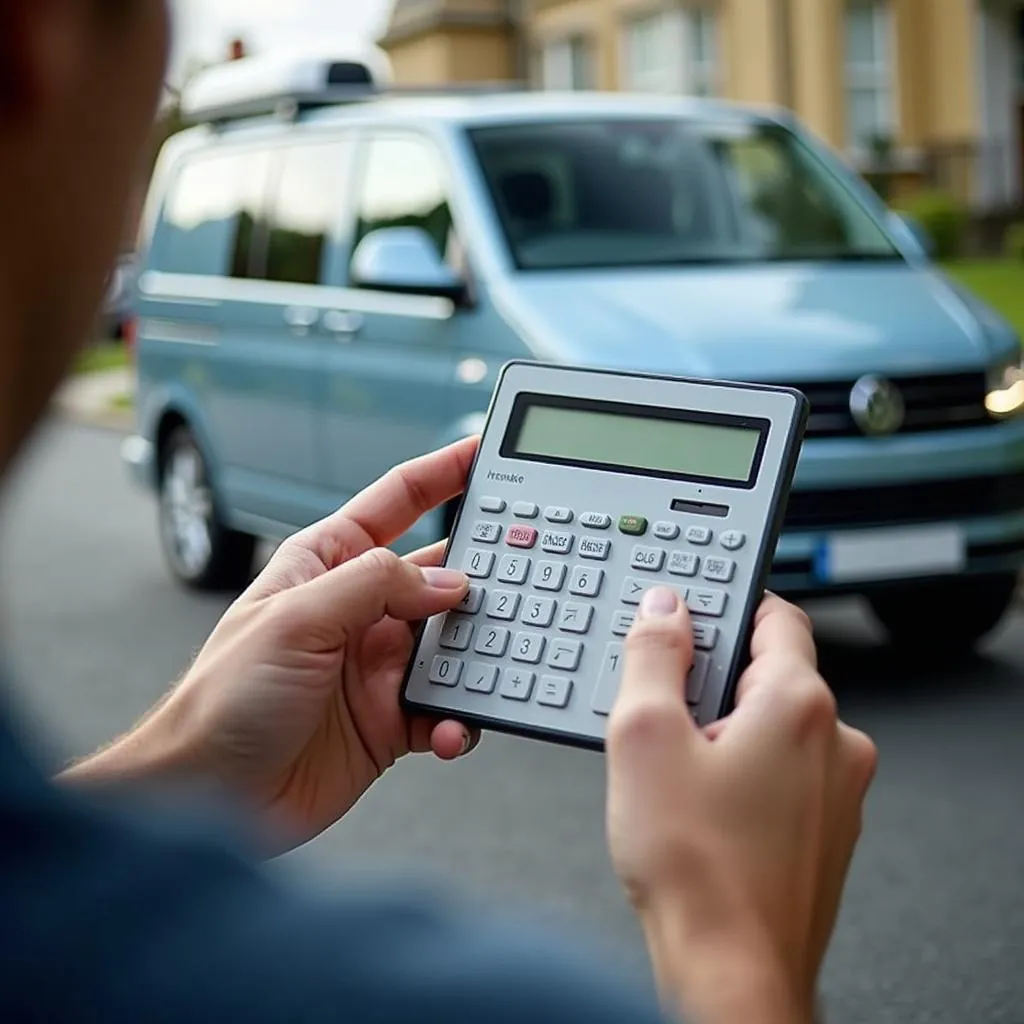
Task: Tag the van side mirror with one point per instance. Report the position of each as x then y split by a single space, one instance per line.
909 229
404 260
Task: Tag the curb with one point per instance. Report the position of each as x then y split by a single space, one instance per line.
122 422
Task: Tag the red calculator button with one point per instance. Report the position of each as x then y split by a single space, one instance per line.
521 536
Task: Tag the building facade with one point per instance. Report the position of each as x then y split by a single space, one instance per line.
930 90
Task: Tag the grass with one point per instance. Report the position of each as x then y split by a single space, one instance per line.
107 355
123 403
999 282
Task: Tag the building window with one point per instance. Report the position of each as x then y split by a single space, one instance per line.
566 65
870 105
672 51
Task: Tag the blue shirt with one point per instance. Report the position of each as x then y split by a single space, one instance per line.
114 911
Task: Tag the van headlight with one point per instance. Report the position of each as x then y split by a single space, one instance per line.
1005 396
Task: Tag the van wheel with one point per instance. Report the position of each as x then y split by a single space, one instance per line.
202 552
947 618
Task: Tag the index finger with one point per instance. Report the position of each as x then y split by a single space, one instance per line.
392 505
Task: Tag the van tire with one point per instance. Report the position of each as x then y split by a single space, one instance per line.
201 552
944 619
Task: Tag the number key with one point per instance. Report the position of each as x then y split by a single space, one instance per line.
539 611
586 582
514 569
528 647
471 603
456 634
445 671
549 576
492 641
479 564
576 618
502 604
697 679
608 681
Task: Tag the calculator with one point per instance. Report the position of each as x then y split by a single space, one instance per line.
590 487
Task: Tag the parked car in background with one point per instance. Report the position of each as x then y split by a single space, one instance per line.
119 306
333 275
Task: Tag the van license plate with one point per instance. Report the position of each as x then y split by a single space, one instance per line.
891 554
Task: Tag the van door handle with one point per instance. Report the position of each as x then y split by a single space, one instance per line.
301 317
340 321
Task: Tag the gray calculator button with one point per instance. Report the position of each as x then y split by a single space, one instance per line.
698 678
705 636
733 540
576 618
478 564
492 641
487 533
633 590
647 559
598 550
539 611
525 510
683 563
554 692
471 603
608 681
719 570
707 602
517 684
481 678
514 569
586 582
699 535
622 623
494 505
528 647
558 514
456 634
550 576
445 671
556 542
666 531
565 654
502 604
595 520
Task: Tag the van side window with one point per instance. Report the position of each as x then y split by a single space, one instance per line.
211 216
306 209
405 185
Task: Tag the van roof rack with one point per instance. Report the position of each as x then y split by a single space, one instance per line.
286 85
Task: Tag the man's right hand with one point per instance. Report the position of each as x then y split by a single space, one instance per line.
734 842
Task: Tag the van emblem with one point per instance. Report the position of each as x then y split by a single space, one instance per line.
877 406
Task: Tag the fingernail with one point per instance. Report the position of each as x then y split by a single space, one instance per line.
467 742
445 579
658 602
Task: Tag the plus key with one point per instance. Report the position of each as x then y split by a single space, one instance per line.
521 536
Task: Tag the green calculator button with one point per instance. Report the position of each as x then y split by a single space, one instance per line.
635 526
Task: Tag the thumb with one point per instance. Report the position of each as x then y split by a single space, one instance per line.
658 659
378 583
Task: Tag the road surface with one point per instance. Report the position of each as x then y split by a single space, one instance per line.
933 927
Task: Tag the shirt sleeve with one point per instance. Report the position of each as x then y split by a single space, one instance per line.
137 920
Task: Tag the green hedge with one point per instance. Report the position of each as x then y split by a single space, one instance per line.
943 218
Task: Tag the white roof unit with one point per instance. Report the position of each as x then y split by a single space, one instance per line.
284 83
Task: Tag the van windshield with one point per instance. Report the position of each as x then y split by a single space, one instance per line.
623 193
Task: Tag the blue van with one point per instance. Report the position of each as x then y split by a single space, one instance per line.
333 274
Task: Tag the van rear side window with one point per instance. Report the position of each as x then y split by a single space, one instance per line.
212 213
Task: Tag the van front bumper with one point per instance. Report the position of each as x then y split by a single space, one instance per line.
139 458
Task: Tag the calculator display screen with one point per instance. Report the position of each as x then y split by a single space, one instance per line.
627 438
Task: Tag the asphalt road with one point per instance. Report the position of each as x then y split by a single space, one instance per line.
933 927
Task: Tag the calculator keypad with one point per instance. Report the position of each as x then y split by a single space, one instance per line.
529 619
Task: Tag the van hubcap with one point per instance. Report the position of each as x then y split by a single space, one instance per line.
188 505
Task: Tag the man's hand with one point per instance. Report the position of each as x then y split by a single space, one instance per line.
734 842
293 702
